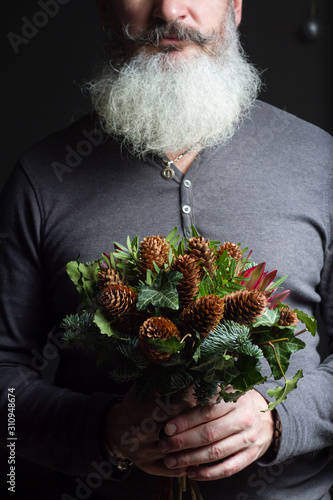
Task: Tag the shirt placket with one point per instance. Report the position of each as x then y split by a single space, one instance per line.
186 204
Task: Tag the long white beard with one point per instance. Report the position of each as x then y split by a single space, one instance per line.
164 104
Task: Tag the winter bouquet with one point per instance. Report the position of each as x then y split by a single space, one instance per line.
173 314
185 314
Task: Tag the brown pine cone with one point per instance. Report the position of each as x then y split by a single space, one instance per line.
202 315
200 248
130 323
287 317
109 276
188 286
156 328
244 306
153 249
118 301
233 250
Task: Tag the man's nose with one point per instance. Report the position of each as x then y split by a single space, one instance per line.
171 10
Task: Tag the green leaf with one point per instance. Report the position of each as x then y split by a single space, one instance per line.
194 232
129 244
170 257
119 245
277 283
280 393
309 321
84 277
105 326
162 294
73 272
282 351
229 397
172 235
250 374
197 350
217 368
267 318
172 345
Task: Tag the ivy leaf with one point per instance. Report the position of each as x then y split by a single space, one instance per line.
283 351
267 318
280 393
197 350
229 397
249 374
162 293
309 321
217 368
105 326
172 345
84 278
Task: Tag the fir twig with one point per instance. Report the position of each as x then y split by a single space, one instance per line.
80 331
229 336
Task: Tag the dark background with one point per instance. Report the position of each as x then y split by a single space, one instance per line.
40 84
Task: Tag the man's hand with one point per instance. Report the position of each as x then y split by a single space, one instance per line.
239 433
132 432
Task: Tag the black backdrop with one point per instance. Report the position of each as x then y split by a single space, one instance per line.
46 56
50 46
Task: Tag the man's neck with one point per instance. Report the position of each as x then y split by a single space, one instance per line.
184 163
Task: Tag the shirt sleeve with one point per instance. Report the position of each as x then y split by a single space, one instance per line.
307 415
63 425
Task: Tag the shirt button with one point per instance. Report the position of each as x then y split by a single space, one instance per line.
186 209
168 173
187 183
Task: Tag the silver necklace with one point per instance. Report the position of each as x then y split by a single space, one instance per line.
168 172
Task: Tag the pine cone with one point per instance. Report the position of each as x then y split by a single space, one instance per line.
109 276
200 248
131 322
202 315
156 328
233 250
153 249
118 300
187 288
287 317
244 306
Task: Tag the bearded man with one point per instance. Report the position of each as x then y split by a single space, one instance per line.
177 139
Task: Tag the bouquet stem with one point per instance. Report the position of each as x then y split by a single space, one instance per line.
165 489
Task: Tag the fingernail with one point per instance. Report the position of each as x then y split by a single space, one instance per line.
170 461
191 474
170 429
163 446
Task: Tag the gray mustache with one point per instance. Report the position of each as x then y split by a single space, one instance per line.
154 35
